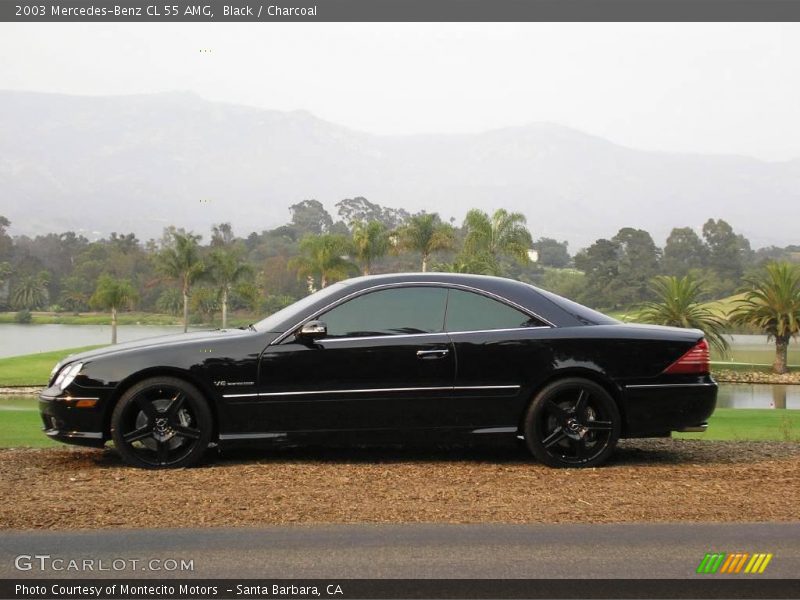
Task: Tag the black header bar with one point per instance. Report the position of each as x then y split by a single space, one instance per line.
398 10
704 586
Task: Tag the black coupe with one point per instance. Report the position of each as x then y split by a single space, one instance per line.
389 358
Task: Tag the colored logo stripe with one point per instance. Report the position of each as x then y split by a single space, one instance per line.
734 563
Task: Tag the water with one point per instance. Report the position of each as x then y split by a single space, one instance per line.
29 339
731 395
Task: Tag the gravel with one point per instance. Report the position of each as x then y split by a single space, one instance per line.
648 480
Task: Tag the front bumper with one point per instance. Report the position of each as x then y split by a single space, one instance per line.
72 418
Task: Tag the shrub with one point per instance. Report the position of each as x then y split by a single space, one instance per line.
23 316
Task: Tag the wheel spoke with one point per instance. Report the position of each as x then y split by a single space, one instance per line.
138 434
580 405
580 448
175 405
146 407
163 452
560 413
186 432
555 437
598 425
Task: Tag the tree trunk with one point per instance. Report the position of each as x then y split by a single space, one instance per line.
323 281
365 272
185 311
781 347
224 307
113 324
424 263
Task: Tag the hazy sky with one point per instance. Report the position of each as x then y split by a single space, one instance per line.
732 88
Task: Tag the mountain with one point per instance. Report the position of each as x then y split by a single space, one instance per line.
139 163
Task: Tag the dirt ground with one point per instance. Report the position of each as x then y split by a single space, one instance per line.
648 480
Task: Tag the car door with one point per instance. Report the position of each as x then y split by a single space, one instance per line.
383 364
498 353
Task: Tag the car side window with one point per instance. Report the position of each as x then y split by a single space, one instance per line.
468 311
393 311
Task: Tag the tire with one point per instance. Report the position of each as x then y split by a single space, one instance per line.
573 423
160 423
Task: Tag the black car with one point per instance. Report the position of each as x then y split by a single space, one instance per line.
391 358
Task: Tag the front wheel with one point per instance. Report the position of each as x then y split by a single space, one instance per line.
162 422
572 423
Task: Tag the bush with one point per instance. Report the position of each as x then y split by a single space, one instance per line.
23 316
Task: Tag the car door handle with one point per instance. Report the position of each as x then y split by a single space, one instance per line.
427 354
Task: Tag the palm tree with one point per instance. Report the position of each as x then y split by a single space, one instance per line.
425 233
502 234
323 256
180 261
371 241
678 305
226 269
772 304
31 292
112 294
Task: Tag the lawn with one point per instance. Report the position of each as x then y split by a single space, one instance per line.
32 369
20 425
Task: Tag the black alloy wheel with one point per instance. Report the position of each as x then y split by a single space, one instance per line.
163 422
572 423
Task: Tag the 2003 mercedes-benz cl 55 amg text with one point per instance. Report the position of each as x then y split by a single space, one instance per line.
390 358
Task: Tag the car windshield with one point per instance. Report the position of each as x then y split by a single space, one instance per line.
294 311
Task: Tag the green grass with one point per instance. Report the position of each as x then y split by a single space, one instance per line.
20 424
123 318
33 369
750 424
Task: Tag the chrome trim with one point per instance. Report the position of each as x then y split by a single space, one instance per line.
388 336
495 430
71 398
92 435
669 385
694 429
368 390
249 436
460 286
503 329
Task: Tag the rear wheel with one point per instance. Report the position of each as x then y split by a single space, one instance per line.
162 422
572 423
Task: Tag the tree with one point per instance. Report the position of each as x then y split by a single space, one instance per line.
227 268
371 242
600 262
30 292
6 243
683 251
113 294
728 252
502 234
221 235
180 261
552 253
772 304
352 210
677 304
323 256
309 216
425 233
638 258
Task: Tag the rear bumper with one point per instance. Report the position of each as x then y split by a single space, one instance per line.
657 408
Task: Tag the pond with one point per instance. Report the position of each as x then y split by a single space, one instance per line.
28 339
731 395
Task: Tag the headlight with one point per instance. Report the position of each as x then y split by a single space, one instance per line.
67 375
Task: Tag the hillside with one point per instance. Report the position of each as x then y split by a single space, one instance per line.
138 163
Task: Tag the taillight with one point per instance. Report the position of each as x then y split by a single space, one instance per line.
694 362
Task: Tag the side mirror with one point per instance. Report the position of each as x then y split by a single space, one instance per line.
313 330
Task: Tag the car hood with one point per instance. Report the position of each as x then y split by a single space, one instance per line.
175 339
